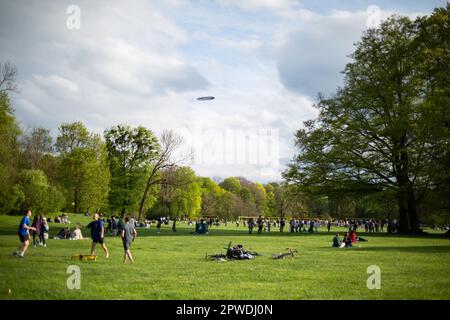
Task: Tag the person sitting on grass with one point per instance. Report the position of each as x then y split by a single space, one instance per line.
64 233
76 234
354 238
129 233
97 234
336 241
347 240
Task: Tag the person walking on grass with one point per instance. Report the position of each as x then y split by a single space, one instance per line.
24 234
36 224
260 223
44 231
174 226
158 225
98 234
129 233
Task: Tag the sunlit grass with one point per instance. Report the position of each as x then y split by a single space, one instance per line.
173 266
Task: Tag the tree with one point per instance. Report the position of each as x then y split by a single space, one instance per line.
9 133
130 154
170 142
374 134
211 198
231 184
187 197
36 144
8 73
35 193
433 42
84 168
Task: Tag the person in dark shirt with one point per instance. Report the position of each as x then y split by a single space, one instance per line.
336 241
282 224
98 234
174 227
128 235
260 223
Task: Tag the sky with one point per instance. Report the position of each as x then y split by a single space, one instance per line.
145 62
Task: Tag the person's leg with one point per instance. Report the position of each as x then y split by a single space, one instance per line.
25 245
93 247
42 239
130 257
105 249
34 238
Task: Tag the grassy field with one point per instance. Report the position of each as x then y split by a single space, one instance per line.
173 266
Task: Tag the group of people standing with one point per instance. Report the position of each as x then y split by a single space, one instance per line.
39 228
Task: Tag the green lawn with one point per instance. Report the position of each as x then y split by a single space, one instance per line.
173 266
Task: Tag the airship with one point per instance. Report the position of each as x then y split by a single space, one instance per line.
207 98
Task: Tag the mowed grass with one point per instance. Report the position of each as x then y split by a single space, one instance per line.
173 266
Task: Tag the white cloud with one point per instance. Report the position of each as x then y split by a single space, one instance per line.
311 57
261 4
55 82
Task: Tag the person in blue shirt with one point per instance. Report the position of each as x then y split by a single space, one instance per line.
98 234
24 234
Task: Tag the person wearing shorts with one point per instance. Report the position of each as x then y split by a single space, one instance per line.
128 235
24 234
98 234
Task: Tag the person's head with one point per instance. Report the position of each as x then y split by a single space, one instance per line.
96 216
28 213
337 234
127 219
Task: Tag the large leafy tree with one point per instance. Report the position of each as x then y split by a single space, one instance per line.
35 193
187 198
84 168
130 154
376 133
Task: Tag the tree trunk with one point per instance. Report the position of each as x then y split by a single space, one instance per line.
75 200
144 198
414 224
403 210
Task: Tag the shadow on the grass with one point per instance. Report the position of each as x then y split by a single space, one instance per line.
218 232
415 249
